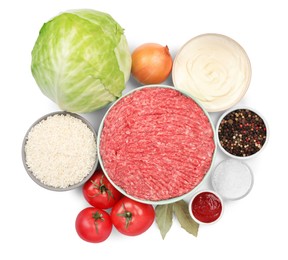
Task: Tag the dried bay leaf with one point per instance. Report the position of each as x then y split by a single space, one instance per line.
180 209
164 218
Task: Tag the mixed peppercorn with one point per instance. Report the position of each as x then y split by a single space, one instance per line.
242 132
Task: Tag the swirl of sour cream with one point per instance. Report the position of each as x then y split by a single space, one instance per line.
213 68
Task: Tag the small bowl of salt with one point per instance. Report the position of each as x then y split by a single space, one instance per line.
232 179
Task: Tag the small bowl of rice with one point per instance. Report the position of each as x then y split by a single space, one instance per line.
59 151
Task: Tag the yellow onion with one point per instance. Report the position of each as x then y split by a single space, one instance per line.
151 63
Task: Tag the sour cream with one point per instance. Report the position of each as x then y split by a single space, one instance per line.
213 68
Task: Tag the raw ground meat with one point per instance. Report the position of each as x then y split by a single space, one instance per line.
156 144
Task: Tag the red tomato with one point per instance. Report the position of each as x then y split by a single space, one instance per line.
99 192
93 225
132 218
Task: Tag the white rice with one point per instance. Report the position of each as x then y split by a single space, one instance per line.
60 151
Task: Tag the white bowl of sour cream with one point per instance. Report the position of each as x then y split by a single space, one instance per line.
213 68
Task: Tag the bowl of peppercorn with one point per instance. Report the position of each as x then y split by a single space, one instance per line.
241 133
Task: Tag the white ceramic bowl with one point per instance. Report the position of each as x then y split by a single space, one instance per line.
213 68
158 202
190 205
30 173
228 112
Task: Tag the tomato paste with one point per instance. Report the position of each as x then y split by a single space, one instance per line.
206 207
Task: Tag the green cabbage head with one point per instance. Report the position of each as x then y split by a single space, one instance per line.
81 60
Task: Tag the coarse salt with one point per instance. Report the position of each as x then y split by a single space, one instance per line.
232 179
60 150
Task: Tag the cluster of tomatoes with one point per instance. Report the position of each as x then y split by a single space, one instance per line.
110 208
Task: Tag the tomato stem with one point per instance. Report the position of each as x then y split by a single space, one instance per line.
101 188
127 215
97 216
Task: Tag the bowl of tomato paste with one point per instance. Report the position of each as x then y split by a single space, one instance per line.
156 144
206 207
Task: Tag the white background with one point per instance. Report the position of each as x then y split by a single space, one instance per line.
39 224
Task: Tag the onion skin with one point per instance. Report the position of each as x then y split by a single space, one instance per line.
151 63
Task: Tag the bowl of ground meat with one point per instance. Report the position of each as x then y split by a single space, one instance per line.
156 144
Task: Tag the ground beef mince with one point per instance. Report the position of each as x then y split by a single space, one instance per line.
156 143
